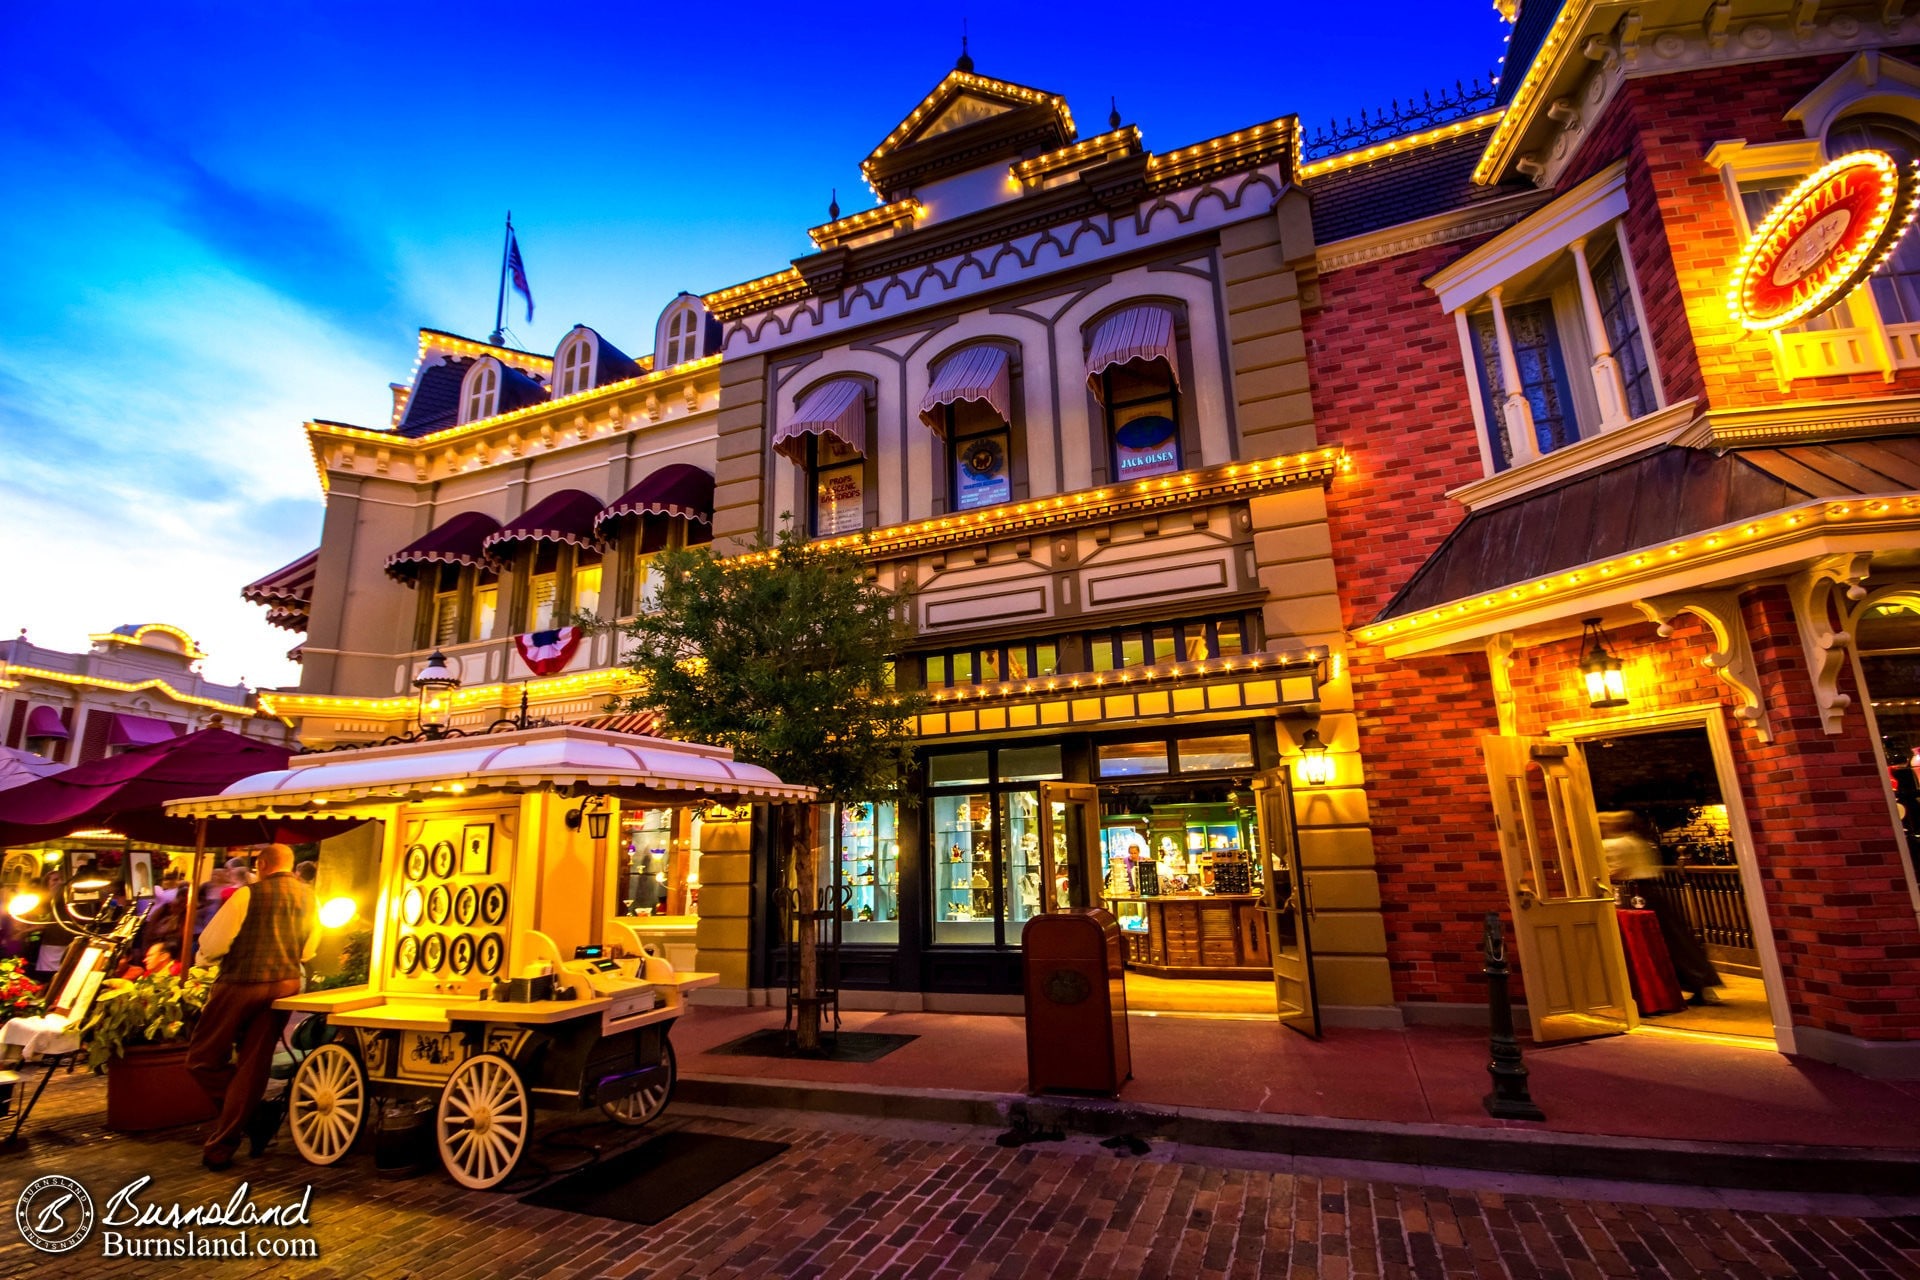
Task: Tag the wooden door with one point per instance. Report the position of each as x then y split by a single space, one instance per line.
1571 958
1287 903
1070 867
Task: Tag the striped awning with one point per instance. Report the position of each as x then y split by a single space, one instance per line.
44 722
837 408
644 723
977 373
461 539
287 592
566 516
678 490
1138 333
141 731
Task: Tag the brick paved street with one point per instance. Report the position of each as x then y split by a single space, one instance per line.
851 1198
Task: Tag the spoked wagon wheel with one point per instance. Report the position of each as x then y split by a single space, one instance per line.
641 1106
327 1103
484 1121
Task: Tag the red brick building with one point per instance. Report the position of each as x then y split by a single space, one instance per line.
1562 440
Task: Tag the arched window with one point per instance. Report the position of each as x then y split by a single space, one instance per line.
683 337
483 392
1896 285
576 367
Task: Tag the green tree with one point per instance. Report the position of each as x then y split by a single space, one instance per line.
785 655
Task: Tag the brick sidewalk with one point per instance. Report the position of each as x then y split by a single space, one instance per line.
856 1199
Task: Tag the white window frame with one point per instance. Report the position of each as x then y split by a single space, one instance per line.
572 379
680 341
1581 225
478 398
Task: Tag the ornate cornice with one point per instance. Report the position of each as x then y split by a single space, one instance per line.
1475 220
1802 421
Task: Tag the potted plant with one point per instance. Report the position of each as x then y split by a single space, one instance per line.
19 993
138 1030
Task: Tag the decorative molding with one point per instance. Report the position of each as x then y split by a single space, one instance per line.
1812 593
1546 232
1663 426
1479 219
1732 658
1500 664
1796 423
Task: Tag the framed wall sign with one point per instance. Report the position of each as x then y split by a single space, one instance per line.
476 849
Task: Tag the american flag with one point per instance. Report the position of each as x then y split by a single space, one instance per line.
519 270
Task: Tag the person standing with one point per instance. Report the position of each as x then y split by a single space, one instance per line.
263 936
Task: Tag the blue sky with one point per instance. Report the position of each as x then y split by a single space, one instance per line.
226 219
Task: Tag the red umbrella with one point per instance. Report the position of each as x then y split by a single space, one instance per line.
124 793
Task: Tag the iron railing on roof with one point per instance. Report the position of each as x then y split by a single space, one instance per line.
1412 116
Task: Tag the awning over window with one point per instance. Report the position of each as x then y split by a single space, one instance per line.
644 723
44 722
287 592
678 490
978 373
462 539
1138 333
566 516
141 731
837 408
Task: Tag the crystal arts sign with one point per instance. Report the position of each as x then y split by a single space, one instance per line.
1822 240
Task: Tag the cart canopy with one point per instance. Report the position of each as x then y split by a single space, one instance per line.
572 758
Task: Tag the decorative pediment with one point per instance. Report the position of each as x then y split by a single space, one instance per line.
965 120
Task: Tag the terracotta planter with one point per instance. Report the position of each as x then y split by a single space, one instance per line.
149 1088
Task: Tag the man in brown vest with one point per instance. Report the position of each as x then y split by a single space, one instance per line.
262 936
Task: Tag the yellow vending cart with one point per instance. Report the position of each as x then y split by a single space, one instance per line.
500 983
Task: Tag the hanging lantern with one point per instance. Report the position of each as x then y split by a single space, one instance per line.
1315 765
1606 685
436 683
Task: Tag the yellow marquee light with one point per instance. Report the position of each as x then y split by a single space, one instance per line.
125 686
1522 101
192 648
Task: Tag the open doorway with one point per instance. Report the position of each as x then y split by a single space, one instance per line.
1669 841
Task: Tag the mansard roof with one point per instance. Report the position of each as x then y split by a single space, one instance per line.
1402 185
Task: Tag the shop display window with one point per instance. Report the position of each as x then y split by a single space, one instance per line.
869 869
1187 640
659 869
1021 889
1215 754
963 868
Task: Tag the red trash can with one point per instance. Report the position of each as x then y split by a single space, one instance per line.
1076 995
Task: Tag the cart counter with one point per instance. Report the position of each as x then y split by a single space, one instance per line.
1217 935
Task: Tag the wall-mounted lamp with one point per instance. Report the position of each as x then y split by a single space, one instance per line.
594 810
436 683
1315 765
1606 685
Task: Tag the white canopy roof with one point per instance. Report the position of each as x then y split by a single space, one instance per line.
559 756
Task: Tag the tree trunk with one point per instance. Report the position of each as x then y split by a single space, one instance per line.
806 874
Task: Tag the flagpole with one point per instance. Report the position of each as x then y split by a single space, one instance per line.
500 306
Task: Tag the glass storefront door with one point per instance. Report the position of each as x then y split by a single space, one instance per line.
983 825
1025 886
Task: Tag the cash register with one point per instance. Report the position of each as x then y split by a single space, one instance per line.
593 971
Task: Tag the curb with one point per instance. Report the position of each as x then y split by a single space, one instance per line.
1742 1166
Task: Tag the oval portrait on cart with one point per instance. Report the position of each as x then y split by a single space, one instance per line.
466 904
493 904
413 905
444 856
492 952
433 953
460 954
439 903
406 957
416 865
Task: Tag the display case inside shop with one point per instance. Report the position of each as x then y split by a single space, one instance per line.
963 867
1185 888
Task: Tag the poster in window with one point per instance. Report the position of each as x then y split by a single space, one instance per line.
980 473
1146 446
839 504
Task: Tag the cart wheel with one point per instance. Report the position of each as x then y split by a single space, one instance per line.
643 1105
483 1122
327 1103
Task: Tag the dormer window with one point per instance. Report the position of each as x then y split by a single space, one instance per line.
575 367
482 394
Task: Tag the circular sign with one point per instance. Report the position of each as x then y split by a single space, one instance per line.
1065 986
54 1213
1822 239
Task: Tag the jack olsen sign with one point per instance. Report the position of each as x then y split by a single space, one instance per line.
1822 240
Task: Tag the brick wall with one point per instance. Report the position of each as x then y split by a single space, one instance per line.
1836 895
